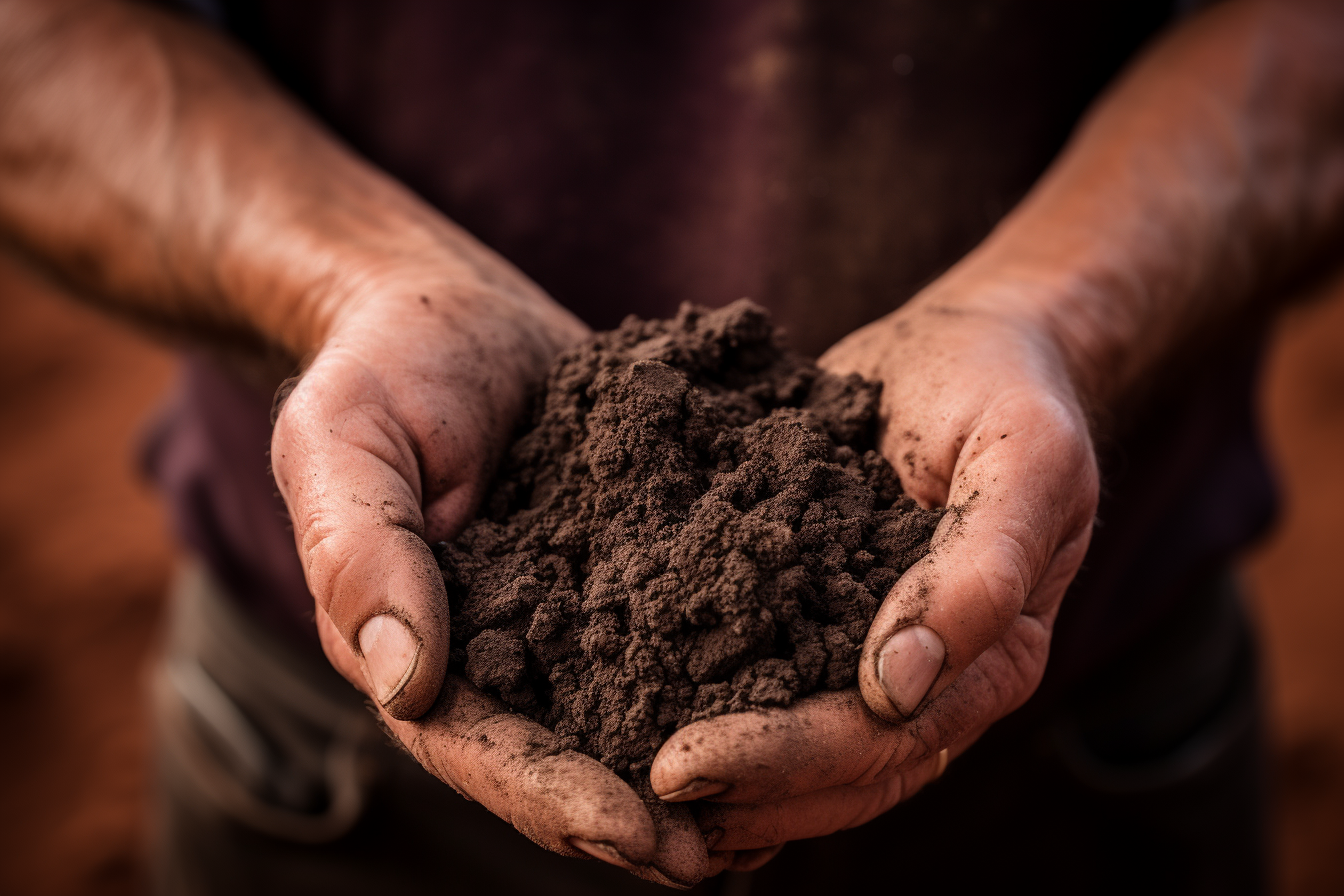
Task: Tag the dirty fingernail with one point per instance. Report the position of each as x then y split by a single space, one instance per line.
390 654
908 664
658 877
604 852
698 788
712 837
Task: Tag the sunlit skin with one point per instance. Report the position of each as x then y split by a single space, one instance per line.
150 166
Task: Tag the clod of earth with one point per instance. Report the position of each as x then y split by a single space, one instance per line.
695 521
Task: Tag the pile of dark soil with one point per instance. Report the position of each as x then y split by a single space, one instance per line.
695 522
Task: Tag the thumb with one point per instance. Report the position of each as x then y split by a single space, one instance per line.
350 478
1022 496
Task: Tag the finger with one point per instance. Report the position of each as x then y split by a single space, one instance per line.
520 771
348 473
747 860
830 739
759 826
826 739
682 858
1021 501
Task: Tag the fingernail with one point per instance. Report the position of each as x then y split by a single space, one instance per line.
390 654
908 664
658 877
712 837
604 852
699 787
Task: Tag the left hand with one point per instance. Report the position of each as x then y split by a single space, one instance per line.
980 415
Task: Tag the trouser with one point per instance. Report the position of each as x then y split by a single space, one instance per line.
274 778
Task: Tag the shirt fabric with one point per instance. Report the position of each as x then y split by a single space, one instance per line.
824 159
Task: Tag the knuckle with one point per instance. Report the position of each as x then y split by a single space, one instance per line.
906 747
339 553
873 801
328 552
1027 646
888 761
428 758
1005 574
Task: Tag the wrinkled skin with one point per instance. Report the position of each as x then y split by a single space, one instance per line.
1163 224
157 171
386 445
979 413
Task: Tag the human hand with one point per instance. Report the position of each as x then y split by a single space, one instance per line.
980 415
386 445
159 171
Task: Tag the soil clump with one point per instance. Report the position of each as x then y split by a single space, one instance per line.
694 521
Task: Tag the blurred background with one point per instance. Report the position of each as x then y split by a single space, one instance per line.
84 562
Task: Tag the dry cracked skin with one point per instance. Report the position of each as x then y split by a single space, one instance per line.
695 521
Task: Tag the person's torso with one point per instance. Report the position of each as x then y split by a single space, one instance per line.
826 159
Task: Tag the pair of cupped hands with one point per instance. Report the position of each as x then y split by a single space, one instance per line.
387 444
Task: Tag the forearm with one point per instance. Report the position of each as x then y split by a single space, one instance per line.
152 165
1196 193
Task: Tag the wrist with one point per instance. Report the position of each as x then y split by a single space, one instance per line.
300 279
1082 313
435 309
297 282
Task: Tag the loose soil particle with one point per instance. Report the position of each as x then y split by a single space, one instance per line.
696 521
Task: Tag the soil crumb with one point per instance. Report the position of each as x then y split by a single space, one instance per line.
695 521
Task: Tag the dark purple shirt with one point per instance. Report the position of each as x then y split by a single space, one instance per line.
826 159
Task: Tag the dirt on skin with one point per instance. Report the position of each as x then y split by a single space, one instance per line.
696 521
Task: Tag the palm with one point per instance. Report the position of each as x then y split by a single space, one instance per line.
978 418
385 446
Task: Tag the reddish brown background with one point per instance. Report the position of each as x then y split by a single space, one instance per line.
84 561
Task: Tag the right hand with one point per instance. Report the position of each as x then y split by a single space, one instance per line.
386 445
